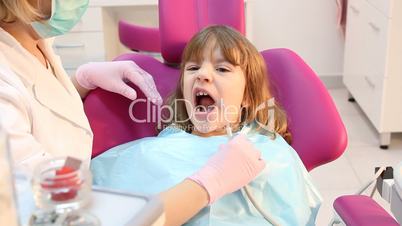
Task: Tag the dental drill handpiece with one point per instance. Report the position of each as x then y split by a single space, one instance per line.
246 189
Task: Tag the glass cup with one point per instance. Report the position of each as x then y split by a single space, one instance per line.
61 191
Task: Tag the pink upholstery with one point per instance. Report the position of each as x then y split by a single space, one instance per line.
319 135
228 12
191 16
138 38
108 113
361 210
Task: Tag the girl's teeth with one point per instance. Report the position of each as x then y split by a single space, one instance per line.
201 94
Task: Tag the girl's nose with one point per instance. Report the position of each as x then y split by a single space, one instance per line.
205 74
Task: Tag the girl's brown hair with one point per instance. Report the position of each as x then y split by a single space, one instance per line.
238 51
12 10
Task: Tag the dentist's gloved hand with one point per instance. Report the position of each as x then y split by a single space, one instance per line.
112 76
232 167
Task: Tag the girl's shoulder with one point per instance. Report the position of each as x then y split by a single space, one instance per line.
272 145
263 136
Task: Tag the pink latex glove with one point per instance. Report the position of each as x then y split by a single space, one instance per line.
112 76
232 167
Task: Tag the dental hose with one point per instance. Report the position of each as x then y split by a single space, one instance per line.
246 188
266 216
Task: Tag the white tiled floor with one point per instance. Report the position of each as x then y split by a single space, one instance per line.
356 166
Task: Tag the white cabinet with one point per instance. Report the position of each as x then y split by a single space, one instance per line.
373 62
84 43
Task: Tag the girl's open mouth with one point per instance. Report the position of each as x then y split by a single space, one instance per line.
204 103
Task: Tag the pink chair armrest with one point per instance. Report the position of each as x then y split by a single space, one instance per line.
361 210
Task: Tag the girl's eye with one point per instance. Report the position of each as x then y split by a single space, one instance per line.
222 69
192 68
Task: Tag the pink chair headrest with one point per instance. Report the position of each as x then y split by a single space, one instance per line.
179 20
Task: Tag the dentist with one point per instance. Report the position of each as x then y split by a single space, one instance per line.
42 112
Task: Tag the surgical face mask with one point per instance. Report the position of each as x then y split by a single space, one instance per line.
65 15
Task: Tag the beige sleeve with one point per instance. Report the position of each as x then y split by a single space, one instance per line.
15 112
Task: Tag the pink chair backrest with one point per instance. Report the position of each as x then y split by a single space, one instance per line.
319 135
228 12
179 20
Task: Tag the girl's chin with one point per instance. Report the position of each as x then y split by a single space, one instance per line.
208 130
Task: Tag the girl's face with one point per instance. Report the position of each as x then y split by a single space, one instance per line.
205 85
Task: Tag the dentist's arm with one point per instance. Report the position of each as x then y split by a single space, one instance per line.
233 166
112 76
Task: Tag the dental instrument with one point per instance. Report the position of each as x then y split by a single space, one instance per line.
246 189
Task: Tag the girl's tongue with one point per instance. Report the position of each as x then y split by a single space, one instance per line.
205 105
206 101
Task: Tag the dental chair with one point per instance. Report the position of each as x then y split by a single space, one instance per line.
319 135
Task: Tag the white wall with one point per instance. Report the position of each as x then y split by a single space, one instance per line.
306 26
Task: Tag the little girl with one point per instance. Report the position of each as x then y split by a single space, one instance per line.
223 86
